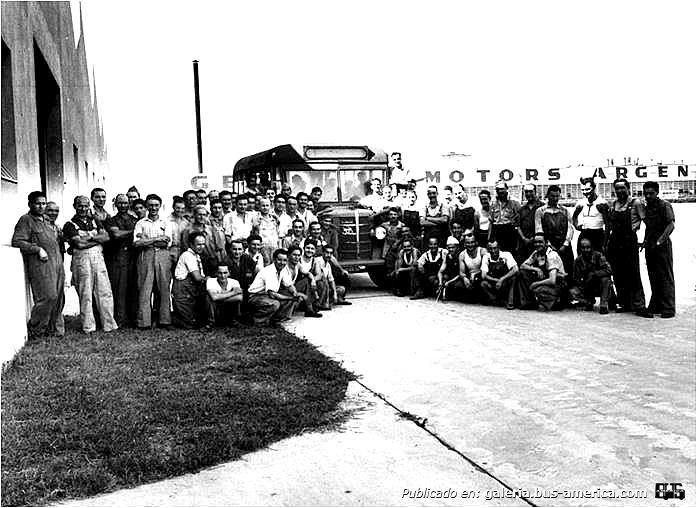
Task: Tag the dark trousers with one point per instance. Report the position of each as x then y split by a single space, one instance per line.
547 297
46 280
659 263
425 282
506 236
189 303
623 256
124 286
457 291
587 291
222 313
405 282
493 296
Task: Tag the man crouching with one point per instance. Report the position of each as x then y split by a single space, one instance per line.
541 278
267 303
591 278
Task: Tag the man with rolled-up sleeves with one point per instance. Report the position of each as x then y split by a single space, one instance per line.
86 236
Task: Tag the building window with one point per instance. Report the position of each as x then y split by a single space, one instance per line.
9 144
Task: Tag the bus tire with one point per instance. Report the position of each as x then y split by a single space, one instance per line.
379 277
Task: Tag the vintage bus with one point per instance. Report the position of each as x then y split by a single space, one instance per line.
343 173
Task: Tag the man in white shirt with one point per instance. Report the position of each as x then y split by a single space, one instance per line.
498 274
267 303
224 297
285 223
303 212
238 224
398 174
188 297
153 236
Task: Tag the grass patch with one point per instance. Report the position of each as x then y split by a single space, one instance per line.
89 414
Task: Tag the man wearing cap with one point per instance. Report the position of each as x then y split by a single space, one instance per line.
505 219
526 231
449 272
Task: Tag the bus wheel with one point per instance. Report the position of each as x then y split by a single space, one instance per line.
378 275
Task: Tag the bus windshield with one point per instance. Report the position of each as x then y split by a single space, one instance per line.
305 181
353 182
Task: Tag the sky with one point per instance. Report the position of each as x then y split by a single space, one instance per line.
514 84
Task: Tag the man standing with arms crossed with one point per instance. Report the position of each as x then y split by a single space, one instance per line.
122 263
39 245
86 236
153 236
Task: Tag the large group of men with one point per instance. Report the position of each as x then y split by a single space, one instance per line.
520 255
217 257
261 255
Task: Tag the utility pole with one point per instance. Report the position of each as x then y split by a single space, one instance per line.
198 118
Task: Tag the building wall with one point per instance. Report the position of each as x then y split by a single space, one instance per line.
34 33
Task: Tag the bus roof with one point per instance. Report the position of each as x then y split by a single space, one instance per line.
296 155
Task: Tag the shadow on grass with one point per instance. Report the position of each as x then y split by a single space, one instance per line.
89 414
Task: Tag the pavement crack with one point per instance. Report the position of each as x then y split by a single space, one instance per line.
421 423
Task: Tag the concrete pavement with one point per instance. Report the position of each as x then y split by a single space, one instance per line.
568 400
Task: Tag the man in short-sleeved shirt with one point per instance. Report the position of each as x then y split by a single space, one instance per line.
268 304
224 296
541 278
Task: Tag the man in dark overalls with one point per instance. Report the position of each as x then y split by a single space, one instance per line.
660 223
43 262
121 264
623 250
499 271
426 270
188 291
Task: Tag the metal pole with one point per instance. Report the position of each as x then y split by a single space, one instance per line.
198 118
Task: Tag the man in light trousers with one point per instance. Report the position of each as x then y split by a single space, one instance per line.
86 237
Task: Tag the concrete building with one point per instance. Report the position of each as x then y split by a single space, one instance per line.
52 137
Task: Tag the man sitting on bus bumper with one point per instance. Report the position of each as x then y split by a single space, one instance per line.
267 303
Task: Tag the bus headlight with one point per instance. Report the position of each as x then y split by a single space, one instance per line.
380 233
